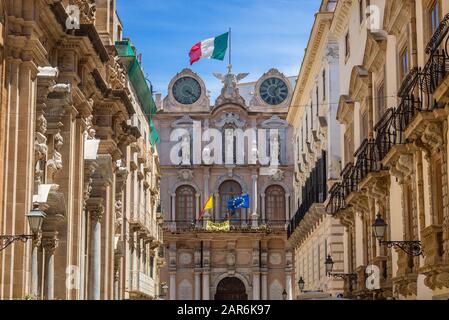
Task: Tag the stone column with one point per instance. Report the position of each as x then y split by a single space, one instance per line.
198 204
206 184
172 286
262 208
256 286
197 285
206 289
50 243
288 283
116 284
255 215
287 207
217 205
173 211
34 268
264 286
96 215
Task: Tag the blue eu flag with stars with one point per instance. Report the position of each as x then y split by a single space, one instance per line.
241 202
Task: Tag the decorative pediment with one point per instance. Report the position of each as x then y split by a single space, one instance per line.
358 85
184 122
396 16
345 110
274 123
230 118
376 45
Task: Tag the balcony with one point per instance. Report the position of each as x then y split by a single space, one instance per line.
367 160
237 226
142 285
314 191
336 199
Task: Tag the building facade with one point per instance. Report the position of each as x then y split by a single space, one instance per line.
252 259
74 139
393 114
312 113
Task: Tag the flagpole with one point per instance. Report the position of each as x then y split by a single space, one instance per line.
230 49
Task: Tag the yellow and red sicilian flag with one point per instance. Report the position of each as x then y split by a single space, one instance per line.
209 206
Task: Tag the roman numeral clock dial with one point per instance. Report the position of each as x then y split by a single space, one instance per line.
274 91
186 90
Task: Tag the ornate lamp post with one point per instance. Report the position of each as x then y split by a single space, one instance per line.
35 220
350 277
301 284
412 248
284 295
164 290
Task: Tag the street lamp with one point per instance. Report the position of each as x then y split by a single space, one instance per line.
284 295
329 264
412 248
164 290
301 284
35 220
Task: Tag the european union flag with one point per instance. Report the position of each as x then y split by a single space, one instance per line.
239 203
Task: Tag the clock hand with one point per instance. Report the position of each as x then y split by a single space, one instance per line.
190 93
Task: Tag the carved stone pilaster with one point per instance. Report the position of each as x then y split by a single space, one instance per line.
50 242
96 212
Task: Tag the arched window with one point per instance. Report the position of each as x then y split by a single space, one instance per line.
229 190
275 204
185 204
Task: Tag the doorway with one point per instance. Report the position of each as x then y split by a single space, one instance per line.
231 289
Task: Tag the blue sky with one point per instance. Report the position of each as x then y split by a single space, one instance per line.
265 34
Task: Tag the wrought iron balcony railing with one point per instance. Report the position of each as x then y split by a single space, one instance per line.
336 199
313 191
350 179
367 159
237 225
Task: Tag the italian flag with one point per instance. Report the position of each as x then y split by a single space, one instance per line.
213 48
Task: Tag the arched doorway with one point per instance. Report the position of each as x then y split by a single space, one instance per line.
231 289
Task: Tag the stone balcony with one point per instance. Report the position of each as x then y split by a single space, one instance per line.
141 286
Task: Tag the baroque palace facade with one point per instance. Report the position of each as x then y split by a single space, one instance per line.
252 260
79 171
393 114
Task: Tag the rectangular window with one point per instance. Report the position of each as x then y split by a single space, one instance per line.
347 45
324 85
317 100
349 146
381 101
361 11
405 63
434 16
364 124
311 114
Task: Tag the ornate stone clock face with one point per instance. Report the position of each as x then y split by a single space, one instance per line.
274 91
186 90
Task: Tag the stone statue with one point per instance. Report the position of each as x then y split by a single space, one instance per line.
91 132
55 163
40 148
230 92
